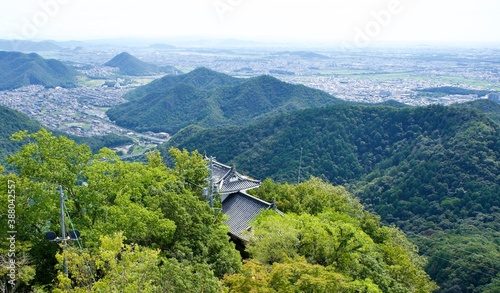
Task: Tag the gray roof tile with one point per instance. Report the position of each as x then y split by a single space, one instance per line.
242 208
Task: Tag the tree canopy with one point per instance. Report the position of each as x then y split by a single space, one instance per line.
146 227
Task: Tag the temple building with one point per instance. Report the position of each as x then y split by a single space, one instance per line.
241 207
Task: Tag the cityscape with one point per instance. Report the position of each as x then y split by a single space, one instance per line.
369 76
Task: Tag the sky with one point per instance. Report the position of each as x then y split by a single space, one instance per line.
358 22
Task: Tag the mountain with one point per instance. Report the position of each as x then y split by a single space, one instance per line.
12 121
148 226
211 99
19 69
28 46
130 65
488 107
432 171
201 78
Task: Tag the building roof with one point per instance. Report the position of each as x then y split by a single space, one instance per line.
228 180
242 208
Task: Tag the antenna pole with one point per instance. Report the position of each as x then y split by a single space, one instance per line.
211 190
63 227
300 166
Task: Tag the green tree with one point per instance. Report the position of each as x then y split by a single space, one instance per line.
340 237
155 213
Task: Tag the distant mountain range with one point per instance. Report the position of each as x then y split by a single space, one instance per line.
28 46
19 69
130 65
212 99
302 54
162 46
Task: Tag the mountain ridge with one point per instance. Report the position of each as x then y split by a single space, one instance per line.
432 171
133 66
19 69
215 99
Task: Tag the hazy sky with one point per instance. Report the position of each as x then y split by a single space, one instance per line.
352 21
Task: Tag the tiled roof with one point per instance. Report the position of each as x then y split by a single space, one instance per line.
242 208
228 180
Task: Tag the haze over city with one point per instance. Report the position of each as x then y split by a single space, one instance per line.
358 22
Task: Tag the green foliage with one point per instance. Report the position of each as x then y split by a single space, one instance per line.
11 122
200 78
139 222
54 160
19 69
488 107
98 142
333 250
190 167
425 169
468 257
143 229
210 99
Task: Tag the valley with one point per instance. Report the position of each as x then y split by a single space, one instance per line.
412 133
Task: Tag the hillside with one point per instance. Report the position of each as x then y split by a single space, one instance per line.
147 228
346 143
211 99
488 107
432 171
19 69
12 121
201 78
130 65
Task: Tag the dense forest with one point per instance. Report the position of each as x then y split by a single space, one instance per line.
211 99
488 107
12 122
130 65
432 171
19 69
145 227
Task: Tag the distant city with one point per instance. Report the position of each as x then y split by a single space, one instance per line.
367 76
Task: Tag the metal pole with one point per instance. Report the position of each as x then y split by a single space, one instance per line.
211 190
63 227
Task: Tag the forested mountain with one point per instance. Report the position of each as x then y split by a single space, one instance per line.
201 78
19 69
146 228
428 170
488 107
12 121
210 99
130 65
